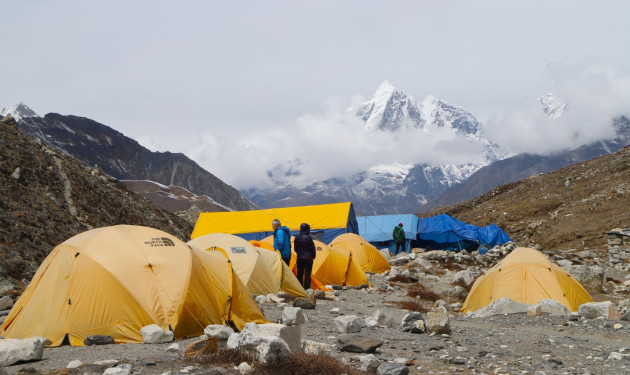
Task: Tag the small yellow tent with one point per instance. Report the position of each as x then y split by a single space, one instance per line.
527 276
331 266
115 280
262 271
366 254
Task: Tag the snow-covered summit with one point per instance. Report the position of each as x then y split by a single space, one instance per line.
552 105
18 111
390 109
436 114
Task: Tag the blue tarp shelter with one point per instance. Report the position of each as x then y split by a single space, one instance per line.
447 233
377 230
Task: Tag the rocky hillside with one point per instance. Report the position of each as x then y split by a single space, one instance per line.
570 208
48 197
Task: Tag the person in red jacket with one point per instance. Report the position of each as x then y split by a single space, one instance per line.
305 250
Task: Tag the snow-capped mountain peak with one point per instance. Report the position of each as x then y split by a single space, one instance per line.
552 105
390 109
18 111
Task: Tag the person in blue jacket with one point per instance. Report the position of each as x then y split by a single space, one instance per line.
282 240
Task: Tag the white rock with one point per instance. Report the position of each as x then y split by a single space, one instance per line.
245 369
553 307
437 321
368 363
173 348
534 310
116 371
15 350
348 324
74 364
107 362
378 318
500 307
316 348
594 310
615 356
293 316
467 276
335 310
260 300
218 332
154 334
292 335
6 303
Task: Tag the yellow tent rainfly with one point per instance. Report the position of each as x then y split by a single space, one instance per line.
366 254
262 271
115 280
528 276
327 221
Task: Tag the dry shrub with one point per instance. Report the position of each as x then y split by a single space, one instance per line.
225 356
411 306
401 279
449 265
305 364
439 272
294 364
421 291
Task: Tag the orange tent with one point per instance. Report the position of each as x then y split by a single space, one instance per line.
366 254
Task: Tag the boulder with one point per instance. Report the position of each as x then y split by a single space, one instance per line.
154 334
466 277
392 369
98 340
368 363
265 348
218 332
591 277
594 310
15 350
553 307
316 348
500 307
408 320
534 310
305 303
318 294
437 321
173 348
116 371
6 303
377 318
74 364
424 265
293 316
245 369
358 344
348 324
292 335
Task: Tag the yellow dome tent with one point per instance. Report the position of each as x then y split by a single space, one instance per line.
115 280
262 271
527 276
331 266
366 254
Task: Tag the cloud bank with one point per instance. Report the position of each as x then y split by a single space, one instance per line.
596 93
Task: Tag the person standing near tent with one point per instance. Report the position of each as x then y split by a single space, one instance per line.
399 238
305 250
282 240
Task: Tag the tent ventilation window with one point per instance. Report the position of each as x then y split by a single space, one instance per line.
77 254
69 302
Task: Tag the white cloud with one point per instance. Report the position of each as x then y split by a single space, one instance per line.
596 93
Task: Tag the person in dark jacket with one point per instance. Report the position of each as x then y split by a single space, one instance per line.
399 237
282 240
305 250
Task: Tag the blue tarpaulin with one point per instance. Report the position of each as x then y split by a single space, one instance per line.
447 233
377 230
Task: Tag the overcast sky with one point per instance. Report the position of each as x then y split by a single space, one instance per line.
240 86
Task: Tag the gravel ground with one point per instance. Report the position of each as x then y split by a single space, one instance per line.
508 344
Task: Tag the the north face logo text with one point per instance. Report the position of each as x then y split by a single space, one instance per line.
159 241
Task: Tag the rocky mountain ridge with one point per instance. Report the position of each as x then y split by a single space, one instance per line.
122 157
48 197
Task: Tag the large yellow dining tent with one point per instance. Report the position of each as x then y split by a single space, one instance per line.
327 221
115 280
528 276
262 271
